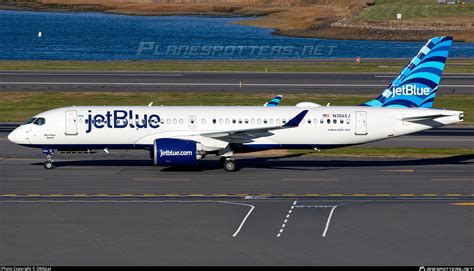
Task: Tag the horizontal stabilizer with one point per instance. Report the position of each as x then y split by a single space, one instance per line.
425 117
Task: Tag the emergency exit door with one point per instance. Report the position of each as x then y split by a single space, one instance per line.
361 123
71 122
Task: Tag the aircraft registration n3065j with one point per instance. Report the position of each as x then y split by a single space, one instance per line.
181 135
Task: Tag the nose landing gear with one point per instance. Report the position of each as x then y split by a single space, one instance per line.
48 164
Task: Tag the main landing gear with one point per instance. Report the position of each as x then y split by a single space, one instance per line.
48 164
228 163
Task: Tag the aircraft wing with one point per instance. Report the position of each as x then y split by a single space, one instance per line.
255 132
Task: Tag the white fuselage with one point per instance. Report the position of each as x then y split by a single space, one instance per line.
322 127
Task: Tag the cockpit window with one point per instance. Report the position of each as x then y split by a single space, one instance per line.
39 121
29 121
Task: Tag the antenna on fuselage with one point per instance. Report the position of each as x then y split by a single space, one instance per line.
150 104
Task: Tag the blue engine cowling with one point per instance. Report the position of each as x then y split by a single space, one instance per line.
171 151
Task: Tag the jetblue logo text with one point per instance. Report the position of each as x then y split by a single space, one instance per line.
122 119
175 153
409 90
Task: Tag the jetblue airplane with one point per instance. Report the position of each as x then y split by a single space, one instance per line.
181 135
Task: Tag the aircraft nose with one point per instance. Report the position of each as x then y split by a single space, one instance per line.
17 136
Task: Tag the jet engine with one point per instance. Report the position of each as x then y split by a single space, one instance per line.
172 151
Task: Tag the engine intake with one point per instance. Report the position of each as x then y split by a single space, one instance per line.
171 151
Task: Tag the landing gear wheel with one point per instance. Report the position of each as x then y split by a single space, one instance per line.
48 165
229 165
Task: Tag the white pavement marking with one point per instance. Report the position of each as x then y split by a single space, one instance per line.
329 220
159 179
286 220
245 218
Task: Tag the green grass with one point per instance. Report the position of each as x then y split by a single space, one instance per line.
457 65
413 9
18 106
388 152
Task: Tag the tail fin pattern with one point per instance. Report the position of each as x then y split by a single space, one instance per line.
416 86
274 102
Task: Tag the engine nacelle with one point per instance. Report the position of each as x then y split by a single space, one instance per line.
171 151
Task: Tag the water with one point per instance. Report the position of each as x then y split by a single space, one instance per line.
97 36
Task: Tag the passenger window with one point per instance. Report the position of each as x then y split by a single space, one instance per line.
328 121
278 121
334 121
227 121
321 121
175 121
246 121
240 121
315 121
259 121
203 121
284 121
168 121
181 121
265 121
234 121
252 121
341 121
221 121
348 121
309 121
214 121
271 121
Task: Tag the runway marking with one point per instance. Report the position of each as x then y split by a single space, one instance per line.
286 219
329 220
159 179
308 179
452 179
245 218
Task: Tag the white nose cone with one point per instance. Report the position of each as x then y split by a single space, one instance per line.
17 136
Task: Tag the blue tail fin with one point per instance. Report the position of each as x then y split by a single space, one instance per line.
275 101
417 84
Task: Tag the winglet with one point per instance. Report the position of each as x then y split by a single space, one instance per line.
294 122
